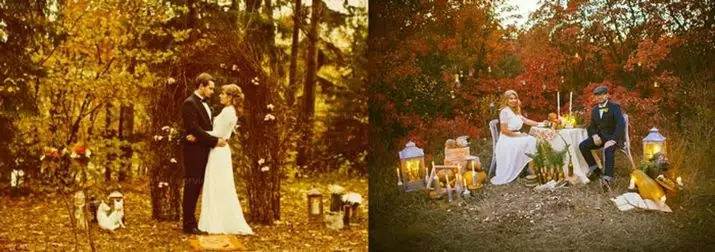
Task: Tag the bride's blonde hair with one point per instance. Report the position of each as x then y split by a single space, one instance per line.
505 101
234 93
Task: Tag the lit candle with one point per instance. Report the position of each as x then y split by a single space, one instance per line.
570 101
449 188
315 207
399 179
426 171
632 185
558 104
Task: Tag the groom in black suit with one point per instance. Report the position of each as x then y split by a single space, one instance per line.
197 121
606 131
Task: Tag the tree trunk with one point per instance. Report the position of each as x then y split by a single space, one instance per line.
308 109
292 75
108 134
126 128
260 140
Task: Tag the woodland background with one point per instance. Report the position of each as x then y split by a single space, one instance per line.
439 68
109 75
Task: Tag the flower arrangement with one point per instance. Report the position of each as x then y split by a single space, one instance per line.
548 162
352 198
81 152
655 166
554 120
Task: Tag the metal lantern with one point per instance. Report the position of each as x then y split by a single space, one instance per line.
413 171
315 205
653 143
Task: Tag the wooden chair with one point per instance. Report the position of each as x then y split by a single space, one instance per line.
626 149
494 129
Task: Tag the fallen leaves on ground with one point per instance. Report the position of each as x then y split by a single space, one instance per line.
41 223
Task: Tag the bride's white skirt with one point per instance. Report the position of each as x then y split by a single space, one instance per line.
221 211
511 157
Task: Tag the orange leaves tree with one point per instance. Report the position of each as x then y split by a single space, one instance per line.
441 64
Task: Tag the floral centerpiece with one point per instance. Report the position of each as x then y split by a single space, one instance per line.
548 162
81 153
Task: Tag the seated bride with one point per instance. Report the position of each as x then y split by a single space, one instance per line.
512 145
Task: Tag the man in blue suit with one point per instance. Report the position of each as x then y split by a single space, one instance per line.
607 130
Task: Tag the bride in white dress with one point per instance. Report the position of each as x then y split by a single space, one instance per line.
221 211
512 144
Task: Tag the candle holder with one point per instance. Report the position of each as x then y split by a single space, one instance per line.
315 205
413 171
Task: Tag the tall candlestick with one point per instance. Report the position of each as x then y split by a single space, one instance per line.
570 101
449 187
399 179
426 171
558 104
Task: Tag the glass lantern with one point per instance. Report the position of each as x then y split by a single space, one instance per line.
315 205
413 170
653 143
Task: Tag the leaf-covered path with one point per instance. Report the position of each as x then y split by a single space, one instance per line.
41 223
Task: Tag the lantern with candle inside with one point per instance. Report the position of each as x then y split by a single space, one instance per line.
653 143
413 171
315 205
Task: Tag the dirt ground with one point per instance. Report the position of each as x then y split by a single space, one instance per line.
41 223
514 217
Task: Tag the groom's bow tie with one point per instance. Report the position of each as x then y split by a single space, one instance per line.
204 100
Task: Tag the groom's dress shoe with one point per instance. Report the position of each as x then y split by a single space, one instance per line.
194 231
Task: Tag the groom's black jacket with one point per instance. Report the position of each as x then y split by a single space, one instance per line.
197 123
609 127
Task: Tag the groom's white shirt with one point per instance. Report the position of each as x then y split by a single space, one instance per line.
206 106
600 106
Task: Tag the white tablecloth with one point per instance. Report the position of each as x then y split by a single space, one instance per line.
573 137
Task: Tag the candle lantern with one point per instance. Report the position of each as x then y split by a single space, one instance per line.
315 205
79 210
413 170
653 143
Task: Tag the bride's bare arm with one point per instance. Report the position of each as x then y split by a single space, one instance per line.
529 121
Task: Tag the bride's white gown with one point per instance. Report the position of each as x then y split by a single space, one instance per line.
221 211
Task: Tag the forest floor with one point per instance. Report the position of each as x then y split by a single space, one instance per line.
41 223
514 217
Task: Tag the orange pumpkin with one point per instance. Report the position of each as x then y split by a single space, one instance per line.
480 175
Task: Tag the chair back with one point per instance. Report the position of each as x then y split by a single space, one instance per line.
494 129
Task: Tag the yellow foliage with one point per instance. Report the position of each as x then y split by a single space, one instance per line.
647 187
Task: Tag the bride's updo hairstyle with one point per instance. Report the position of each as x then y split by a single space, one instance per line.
505 101
234 93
